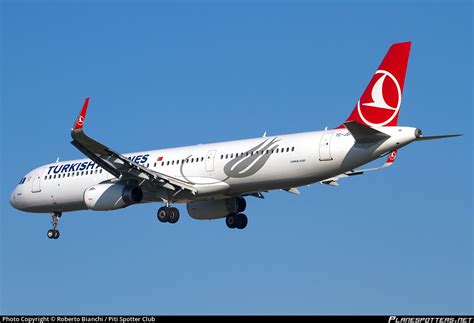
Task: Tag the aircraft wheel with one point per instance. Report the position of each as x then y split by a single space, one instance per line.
163 214
174 215
51 234
232 220
56 234
242 221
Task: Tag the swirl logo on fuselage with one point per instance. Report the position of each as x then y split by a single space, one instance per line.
250 162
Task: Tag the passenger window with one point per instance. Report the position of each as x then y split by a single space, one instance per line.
167 163
162 163
49 176
226 156
172 163
287 149
100 171
87 172
202 158
82 173
67 174
46 177
292 148
222 156
177 162
154 165
54 176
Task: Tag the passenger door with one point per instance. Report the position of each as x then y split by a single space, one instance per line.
36 183
210 160
325 147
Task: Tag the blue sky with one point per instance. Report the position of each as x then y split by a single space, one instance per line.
165 75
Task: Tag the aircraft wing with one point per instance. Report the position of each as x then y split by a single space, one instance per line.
333 180
119 165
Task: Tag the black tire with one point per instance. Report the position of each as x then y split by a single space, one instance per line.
163 214
56 234
50 234
232 220
241 204
242 221
174 215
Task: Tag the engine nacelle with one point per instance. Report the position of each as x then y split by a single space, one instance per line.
215 209
103 197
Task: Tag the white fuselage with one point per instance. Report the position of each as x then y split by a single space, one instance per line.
218 170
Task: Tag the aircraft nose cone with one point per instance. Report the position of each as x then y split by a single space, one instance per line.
13 201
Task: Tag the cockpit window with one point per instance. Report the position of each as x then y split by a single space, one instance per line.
22 181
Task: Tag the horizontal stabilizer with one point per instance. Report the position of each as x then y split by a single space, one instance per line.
364 134
333 180
436 137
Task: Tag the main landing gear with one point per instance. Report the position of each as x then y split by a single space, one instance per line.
236 220
54 232
168 214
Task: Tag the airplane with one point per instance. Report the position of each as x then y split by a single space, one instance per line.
215 179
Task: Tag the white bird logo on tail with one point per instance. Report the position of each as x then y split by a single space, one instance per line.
378 100
377 96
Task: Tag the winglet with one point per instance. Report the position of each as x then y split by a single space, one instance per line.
391 158
82 116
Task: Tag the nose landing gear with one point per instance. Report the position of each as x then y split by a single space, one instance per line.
54 232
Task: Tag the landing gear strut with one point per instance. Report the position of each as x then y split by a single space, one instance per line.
168 214
54 232
236 220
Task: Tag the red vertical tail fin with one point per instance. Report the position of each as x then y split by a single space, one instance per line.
379 105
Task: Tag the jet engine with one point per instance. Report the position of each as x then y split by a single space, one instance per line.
215 209
103 197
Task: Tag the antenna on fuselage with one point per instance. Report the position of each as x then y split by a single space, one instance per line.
264 134
57 159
